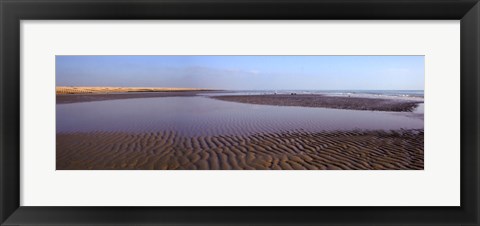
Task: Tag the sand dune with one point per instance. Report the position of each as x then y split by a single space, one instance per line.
359 150
84 90
317 100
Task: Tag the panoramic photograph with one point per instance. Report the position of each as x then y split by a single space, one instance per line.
239 112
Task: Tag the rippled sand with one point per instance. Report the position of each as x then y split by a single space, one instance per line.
357 150
316 100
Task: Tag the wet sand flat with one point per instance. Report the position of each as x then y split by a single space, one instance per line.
299 150
317 100
77 98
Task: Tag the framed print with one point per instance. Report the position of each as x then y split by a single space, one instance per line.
239 112
224 121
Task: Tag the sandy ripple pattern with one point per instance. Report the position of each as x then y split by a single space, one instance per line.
295 150
315 100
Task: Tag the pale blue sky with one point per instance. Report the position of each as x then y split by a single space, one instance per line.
244 72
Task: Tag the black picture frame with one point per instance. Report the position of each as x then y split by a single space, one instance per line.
13 11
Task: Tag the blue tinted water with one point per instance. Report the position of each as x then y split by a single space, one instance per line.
201 115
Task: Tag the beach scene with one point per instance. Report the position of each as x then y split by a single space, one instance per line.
239 112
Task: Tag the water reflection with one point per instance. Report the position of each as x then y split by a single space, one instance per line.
200 115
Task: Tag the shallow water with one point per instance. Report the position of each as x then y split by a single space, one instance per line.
201 115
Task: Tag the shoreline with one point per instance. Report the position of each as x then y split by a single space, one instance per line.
77 98
324 101
166 150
